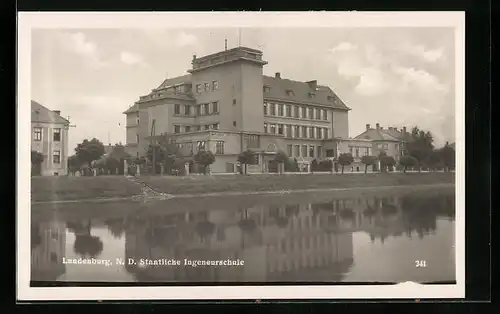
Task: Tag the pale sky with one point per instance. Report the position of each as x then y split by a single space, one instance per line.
394 76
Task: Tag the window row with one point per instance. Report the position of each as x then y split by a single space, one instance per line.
297 131
304 151
201 145
195 128
359 151
207 87
197 110
292 111
37 134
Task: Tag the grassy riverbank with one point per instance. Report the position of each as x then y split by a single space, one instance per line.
72 188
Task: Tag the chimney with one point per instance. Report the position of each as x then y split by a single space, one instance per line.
277 75
313 84
58 112
367 127
404 130
378 126
194 57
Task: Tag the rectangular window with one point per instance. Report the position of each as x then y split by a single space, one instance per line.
198 128
198 110
206 109
207 126
319 152
56 157
215 85
297 150
187 110
188 128
304 113
273 109
219 147
311 132
367 151
137 138
265 108
266 89
357 151
57 135
351 150
304 150
288 111
304 132
234 102
273 129
296 111
318 113
280 128
325 133
256 160
177 109
252 141
280 110
37 133
137 120
311 113
296 131
215 126
325 114
198 88
215 107
290 150
177 129
207 87
200 145
289 130
265 127
319 133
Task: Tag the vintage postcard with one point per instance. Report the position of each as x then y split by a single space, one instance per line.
241 155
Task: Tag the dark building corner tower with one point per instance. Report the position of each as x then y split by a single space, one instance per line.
238 73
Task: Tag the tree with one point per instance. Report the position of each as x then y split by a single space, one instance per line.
314 165
88 151
205 228
246 158
368 161
205 158
448 156
116 227
74 164
387 163
86 245
291 165
281 158
420 145
345 159
155 155
408 161
36 162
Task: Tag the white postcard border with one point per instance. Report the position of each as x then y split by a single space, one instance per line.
29 20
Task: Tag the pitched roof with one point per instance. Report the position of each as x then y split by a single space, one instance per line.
175 80
40 113
279 87
379 135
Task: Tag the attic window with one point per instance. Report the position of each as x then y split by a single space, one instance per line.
289 92
331 98
267 89
312 95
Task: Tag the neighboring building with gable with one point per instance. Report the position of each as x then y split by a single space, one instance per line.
226 105
390 140
49 136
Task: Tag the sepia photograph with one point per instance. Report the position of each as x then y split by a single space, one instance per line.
241 155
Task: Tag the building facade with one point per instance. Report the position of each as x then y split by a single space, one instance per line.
226 105
49 136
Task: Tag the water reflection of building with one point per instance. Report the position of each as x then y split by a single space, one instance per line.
300 242
287 244
48 243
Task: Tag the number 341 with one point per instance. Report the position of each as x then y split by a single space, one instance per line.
420 263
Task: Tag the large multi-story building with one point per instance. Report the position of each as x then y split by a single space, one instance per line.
49 136
226 105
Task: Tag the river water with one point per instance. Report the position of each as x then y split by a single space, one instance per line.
389 236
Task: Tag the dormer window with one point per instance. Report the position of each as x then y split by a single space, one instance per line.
331 98
289 92
267 89
312 95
